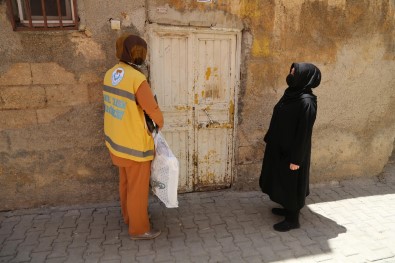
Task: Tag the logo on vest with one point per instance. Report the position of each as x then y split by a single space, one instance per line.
117 76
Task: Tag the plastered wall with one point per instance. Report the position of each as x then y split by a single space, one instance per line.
51 141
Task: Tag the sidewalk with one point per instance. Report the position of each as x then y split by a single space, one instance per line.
353 221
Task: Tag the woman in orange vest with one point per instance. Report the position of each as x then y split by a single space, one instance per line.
127 95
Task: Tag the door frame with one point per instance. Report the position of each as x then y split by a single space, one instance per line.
163 29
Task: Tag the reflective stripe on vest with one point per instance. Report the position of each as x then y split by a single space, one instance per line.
125 150
119 92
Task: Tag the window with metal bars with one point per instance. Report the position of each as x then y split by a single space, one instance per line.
43 14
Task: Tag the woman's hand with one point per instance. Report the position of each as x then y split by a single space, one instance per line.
293 167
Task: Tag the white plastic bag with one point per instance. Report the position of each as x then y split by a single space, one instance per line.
164 172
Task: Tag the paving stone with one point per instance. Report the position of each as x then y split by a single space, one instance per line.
111 261
3 238
51 228
9 248
216 254
45 244
228 244
6 258
145 247
163 255
92 257
247 249
221 231
181 256
128 255
19 232
223 226
232 223
178 244
64 235
96 232
69 222
234 256
59 250
56 260
38 225
209 241
267 254
23 254
38 257
7 227
239 235
381 254
112 237
79 240
75 255
95 246
110 252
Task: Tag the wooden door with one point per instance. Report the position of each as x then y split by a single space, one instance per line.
194 74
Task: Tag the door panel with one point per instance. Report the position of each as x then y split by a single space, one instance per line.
214 89
170 82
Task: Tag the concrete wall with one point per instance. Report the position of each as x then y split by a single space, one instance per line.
51 141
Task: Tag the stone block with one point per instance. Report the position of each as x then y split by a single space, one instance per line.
67 95
48 115
13 119
248 176
95 92
250 154
51 73
4 144
22 97
18 74
90 77
81 127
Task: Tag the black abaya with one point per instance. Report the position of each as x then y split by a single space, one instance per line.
288 140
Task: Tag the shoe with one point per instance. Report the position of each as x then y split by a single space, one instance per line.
279 211
285 226
148 235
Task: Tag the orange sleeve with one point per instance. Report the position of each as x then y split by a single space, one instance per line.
147 102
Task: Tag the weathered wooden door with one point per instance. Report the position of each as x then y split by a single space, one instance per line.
194 74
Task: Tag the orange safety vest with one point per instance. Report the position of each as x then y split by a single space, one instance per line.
125 129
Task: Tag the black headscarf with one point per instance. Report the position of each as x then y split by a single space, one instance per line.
306 77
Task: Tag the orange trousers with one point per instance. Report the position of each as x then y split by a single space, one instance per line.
133 192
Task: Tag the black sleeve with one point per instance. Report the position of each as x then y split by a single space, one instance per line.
302 139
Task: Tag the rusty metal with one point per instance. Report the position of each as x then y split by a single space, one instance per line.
44 13
60 14
28 24
10 13
29 13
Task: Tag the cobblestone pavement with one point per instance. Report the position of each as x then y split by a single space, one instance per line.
351 221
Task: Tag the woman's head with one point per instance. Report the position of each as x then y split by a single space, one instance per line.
303 76
131 49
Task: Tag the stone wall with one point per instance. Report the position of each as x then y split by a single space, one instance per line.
353 44
51 141
51 117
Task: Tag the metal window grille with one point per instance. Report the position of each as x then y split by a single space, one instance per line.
43 14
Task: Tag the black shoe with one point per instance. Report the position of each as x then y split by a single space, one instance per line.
285 226
279 211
